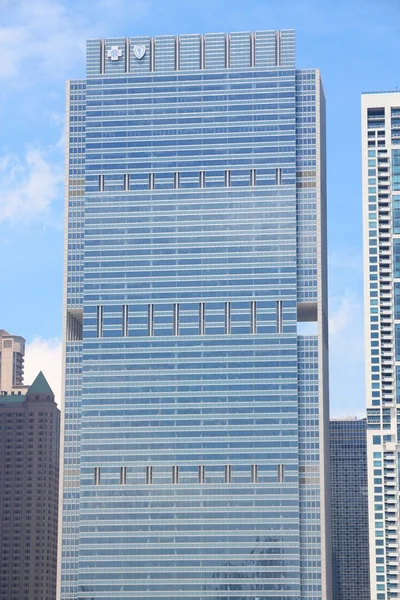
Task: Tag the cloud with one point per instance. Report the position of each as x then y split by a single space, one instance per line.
346 258
44 355
346 353
47 37
28 186
342 317
346 330
40 33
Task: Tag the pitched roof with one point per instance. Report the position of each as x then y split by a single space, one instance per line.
40 386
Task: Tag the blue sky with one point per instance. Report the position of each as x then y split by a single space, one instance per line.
356 45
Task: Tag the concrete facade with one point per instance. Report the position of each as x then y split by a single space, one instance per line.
29 478
12 351
381 219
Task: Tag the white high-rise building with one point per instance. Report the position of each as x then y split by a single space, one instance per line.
381 216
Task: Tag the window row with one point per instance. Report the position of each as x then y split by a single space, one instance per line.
201 474
177 322
191 179
196 51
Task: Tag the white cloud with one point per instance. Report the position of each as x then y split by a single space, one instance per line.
47 37
346 352
348 259
28 187
37 32
342 315
346 331
44 355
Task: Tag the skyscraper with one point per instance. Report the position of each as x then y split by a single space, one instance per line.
381 216
196 448
29 468
12 351
350 555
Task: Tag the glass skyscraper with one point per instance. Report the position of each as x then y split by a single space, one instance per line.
196 447
381 216
350 555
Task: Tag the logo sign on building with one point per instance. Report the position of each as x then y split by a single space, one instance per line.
114 53
139 51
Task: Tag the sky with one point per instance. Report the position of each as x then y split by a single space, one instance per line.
355 44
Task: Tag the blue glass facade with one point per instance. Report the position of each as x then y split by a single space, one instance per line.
196 416
349 492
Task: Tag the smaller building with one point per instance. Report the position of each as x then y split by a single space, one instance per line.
12 352
29 477
349 485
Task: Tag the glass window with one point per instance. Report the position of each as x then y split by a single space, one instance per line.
396 257
396 214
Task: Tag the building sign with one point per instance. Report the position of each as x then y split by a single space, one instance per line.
114 53
139 51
